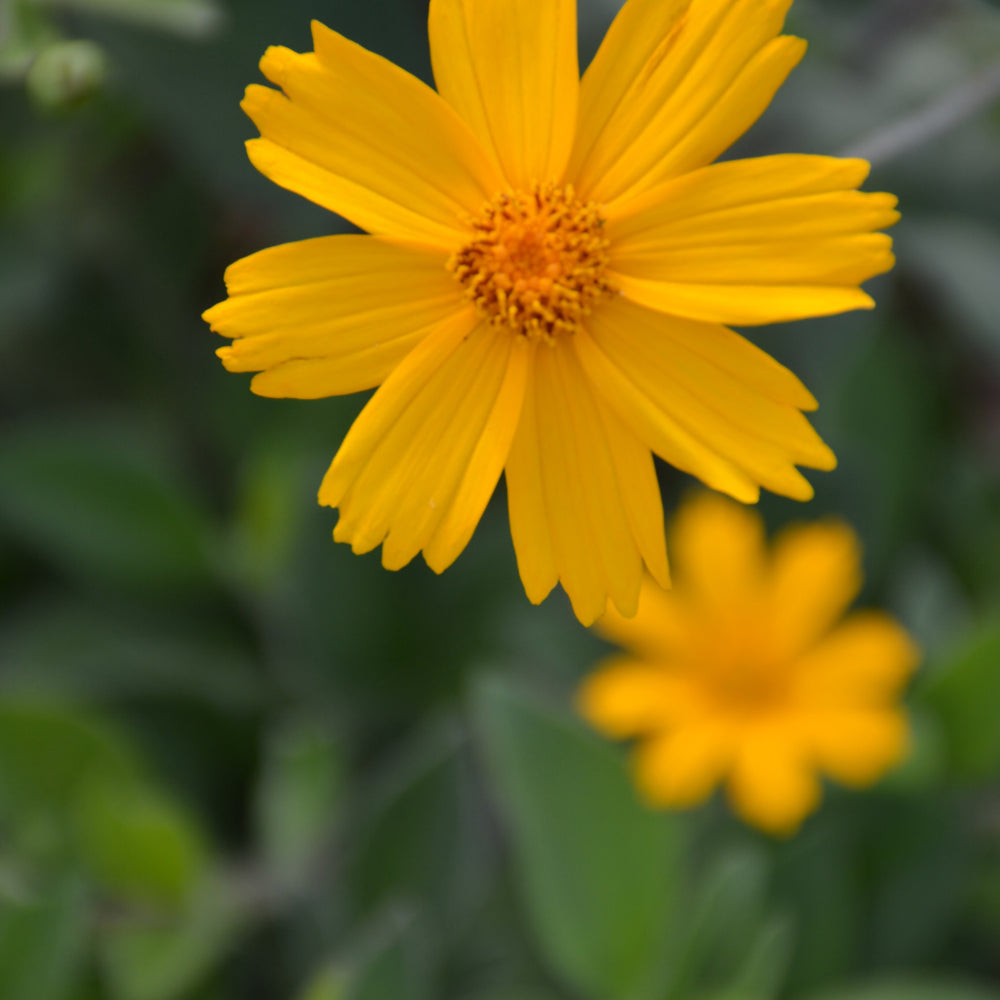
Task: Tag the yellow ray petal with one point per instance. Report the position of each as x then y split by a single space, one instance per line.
485 464
771 784
743 305
626 697
710 76
367 140
864 662
732 185
682 768
397 479
331 315
592 541
754 241
859 747
719 552
386 407
815 574
727 416
640 491
526 505
661 630
657 427
509 67
642 36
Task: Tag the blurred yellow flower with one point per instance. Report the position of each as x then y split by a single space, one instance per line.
744 673
550 265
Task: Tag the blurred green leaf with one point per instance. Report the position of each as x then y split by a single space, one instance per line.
423 799
298 798
600 874
912 989
328 984
137 843
886 414
166 960
959 260
190 18
24 31
718 942
43 944
98 506
47 750
60 649
269 514
763 971
390 964
965 692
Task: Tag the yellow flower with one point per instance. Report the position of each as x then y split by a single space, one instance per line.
550 265
742 673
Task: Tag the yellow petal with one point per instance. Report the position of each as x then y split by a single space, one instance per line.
857 748
864 662
682 768
815 574
743 305
663 629
592 543
526 505
710 76
657 427
626 697
509 67
771 784
718 550
331 315
726 415
640 491
641 36
754 241
404 464
485 463
369 141
732 185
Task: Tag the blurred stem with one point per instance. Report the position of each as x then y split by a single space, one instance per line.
930 123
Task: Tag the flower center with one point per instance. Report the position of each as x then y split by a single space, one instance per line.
742 673
538 262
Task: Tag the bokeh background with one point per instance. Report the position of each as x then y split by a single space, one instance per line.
239 763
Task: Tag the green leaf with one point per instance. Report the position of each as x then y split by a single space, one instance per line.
47 750
94 504
966 695
328 984
168 961
391 964
137 843
43 944
63 649
959 260
763 972
728 908
423 800
299 797
599 873
912 989
193 19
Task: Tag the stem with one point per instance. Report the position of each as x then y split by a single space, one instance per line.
929 123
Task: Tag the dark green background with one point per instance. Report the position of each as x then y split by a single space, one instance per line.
238 762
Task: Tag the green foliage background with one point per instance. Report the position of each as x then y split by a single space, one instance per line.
238 762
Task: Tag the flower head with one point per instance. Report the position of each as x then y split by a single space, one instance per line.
743 673
550 267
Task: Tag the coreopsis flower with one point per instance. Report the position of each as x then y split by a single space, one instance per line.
550 269
744 673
